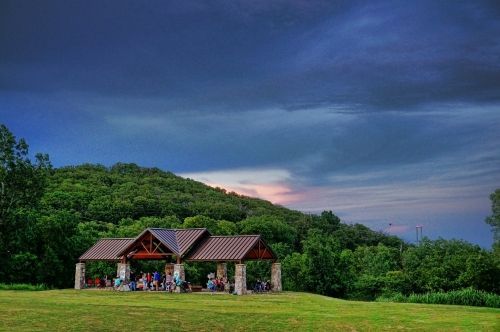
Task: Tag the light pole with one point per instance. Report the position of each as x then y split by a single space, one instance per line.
418 230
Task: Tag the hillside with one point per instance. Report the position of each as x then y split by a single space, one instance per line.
129 191
126 192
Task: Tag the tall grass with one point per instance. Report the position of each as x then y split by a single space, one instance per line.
24 287
467 296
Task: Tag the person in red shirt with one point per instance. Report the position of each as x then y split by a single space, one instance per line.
149 278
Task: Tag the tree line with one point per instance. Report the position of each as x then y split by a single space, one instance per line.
50 216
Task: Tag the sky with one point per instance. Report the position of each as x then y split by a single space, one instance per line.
385 112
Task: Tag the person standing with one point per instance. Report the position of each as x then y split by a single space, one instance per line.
211 286
156 280
168 282
150 280
132 281
144 282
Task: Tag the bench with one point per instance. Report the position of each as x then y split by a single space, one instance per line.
196 288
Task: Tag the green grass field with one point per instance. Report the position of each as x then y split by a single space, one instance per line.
63 310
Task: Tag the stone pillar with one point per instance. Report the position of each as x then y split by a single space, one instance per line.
123 272
240 279
221 270
179 269
169 268
80 276
276 277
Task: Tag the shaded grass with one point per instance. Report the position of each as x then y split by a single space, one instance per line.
113 311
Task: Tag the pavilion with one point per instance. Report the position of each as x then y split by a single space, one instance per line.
185 245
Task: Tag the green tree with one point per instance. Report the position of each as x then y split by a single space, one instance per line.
295 272
373 266
376 260
128 227
22 184
326 269
444 265
225 227
56 248
271 228
494 219
201 222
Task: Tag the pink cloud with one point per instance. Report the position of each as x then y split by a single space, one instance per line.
398 229
278 193
270 184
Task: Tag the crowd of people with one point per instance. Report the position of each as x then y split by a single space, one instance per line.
157 282
222 284
99 282
262 286
217 284
167 282
143 282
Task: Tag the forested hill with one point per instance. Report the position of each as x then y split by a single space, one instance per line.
130 191
126 194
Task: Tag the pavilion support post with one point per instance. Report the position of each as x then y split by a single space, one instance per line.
179 269
123 272
276 277
221 270
80 276
169 268
240 279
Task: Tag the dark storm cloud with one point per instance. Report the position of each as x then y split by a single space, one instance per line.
374 109
398 55
236 56
135 48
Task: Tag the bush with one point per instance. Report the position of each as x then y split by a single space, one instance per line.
367 287
25 287
467 296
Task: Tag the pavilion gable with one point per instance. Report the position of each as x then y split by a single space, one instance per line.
158 243
148 246
181 240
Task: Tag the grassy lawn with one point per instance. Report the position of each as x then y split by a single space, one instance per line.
62 310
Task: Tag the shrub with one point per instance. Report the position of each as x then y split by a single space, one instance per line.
466 296
25 287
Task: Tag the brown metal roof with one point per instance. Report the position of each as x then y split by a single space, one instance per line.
231 248
106 250
180 242
187 237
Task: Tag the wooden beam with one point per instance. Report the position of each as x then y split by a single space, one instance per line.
150 256
144 246
156 247
263 253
